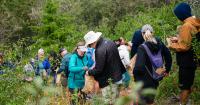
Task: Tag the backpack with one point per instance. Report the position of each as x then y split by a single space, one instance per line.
89 54
156 61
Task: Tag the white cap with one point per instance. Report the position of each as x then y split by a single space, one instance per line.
82 48
91 37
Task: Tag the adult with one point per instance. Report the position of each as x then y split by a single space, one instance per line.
182 45
125 58
108 65
40 70
64 65
144 67
77 67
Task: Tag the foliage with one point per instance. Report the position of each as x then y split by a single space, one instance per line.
41 94
134 95
26 26
57 29
11 90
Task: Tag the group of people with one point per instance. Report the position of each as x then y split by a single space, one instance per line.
105 63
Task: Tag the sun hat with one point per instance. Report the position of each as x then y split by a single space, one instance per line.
91 37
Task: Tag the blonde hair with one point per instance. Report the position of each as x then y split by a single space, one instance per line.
148 36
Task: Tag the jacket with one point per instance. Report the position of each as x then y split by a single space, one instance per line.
65 64
108 63
124 55
183 47
47 65
76 78
136 41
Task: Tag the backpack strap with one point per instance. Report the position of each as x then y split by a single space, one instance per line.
151 74
149 53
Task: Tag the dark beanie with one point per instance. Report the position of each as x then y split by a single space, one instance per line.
182 11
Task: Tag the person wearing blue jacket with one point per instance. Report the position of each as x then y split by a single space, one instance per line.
78 65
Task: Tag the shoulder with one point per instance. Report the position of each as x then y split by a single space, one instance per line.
186 26
137 34
140 48
73 56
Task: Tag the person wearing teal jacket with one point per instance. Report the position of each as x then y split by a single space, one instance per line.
65 61
78 65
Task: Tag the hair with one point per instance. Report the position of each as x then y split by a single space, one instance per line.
148 36
147 33
53 54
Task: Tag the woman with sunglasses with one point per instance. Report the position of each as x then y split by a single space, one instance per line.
78 65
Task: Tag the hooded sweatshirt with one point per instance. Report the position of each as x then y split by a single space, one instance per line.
190 27
143 62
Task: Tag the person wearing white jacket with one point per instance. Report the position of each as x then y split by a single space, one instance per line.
125 58
124 55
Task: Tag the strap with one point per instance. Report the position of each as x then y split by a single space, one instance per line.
151 75
149 53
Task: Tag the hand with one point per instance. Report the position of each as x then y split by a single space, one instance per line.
160 71
174 39
168 42
85 68
166 74
86 73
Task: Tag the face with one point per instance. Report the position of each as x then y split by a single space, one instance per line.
41 55
122 41
50 58
63 53
80 53
93 45
147 35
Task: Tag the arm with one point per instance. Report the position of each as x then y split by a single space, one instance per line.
100 57
72 65
62 67
184 40
167 57
136 41
140 61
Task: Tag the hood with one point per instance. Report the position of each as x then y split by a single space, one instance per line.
182 11
122 47
194 22
154 48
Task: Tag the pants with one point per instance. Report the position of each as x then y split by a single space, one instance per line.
76 95
110 93
186 77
